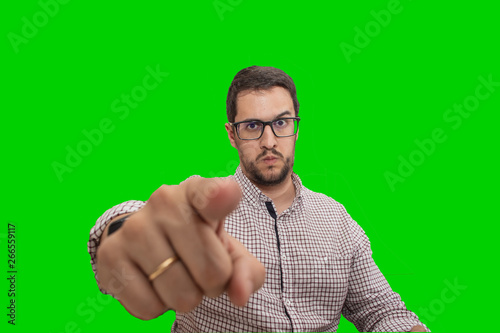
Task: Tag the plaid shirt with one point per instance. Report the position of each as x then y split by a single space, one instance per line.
318 264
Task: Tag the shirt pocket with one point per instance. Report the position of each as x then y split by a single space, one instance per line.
329 283
317 274
330 270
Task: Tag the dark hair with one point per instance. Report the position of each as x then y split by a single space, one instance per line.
258 78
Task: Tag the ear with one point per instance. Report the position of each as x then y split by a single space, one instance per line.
230 134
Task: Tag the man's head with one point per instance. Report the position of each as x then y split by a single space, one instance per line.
265 94
258 78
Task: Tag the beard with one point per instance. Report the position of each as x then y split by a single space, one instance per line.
274 178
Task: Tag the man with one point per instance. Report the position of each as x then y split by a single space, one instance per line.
254 252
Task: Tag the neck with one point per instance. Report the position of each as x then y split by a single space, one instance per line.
281 194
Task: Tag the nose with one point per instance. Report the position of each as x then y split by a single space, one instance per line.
268 139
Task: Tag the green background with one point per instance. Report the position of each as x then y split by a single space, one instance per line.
359 115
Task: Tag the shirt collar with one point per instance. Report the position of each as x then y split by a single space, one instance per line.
254 195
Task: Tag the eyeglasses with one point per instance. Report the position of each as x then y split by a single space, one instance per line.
253 129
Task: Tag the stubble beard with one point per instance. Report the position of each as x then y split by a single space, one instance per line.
259 178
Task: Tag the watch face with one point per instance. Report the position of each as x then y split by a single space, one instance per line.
117 224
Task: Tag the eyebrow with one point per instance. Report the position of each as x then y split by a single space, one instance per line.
284 113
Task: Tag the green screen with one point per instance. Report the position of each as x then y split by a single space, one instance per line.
399 106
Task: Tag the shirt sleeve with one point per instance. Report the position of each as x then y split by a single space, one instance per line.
100 225
370 304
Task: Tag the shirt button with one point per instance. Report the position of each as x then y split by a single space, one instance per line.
283 256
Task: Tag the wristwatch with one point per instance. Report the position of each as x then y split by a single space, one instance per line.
115 225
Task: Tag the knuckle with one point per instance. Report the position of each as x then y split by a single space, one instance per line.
199 201
104 253
185 211
185 302
149 311
107 255
152 311
108 261
135 229
161 195
168 198
139 234
215 278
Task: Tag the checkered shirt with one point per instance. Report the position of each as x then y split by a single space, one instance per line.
318 264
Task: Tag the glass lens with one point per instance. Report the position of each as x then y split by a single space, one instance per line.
253 129
250 129
285 127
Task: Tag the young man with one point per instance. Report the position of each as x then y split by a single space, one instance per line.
254 252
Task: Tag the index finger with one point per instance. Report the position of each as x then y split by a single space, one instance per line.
213 198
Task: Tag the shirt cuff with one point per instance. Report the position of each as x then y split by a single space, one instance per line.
399 324
101 223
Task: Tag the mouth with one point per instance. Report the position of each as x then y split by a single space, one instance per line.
270 160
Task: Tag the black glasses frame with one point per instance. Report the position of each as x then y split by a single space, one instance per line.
265 123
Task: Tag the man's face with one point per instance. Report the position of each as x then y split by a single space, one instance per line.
268 160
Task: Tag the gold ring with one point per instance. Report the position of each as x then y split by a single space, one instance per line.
163 267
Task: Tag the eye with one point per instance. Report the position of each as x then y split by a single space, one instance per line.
280 123
253 125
